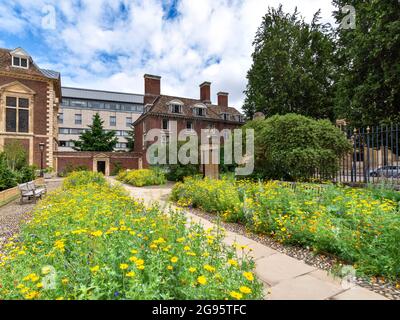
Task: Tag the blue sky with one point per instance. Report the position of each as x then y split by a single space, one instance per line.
110 44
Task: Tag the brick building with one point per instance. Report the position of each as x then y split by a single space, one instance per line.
29 102
191 115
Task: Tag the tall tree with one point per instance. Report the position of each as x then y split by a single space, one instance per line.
368 86
293 68
131 139
96 138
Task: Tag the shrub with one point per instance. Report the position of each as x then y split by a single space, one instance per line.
27 174
142 177
94 242
81 178
117 168
178 172
359 226
8 178
294 147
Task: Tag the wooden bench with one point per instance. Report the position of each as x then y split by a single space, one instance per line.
30 191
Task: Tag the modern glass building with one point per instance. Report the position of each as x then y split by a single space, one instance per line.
117 110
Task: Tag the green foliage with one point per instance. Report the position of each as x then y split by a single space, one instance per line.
293 67
294 147
142 177
117 168
359 226
80 178
131 139
177 172
97 243
71 168
26 174
368 81
16 155
96 138
8 178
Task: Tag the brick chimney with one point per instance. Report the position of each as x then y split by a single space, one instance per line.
152 87
223 99
205 92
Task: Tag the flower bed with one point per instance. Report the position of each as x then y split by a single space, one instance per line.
360 226
92 241
142 177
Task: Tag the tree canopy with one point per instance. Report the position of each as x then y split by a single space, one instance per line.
96 138
293 67
368 81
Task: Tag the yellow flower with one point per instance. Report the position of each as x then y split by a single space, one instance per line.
32 295
140 267
95 269
174 259
139 262
64 281
192 270
245 290
60 298
248 275
133 259
236 295
232 262
97 233
180 239
186 248
130 274
209 268
202 280
123 266
39 285
170 267
21 253
134 251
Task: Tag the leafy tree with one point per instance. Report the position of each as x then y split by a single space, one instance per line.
96 139
131 139
293 67
15 154
294 147
368 86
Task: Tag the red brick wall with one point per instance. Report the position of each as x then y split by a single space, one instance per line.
128 160
39 115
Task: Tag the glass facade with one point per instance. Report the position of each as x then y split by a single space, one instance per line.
101 105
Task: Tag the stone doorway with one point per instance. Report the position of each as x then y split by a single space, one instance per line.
101 163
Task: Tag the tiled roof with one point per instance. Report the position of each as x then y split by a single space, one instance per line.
5 64
161 106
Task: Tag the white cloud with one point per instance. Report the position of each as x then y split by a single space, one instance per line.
93 50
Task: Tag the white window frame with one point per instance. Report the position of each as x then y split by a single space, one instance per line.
20 65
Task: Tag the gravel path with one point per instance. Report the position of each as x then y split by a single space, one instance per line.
13 214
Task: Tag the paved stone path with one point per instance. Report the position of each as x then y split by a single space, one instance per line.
284 277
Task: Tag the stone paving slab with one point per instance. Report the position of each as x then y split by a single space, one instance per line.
279 267
304 287
358 293
285 277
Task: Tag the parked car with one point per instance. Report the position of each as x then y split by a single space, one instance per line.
386 171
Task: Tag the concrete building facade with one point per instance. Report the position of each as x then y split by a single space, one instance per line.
117 110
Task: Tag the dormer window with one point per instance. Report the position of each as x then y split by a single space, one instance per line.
20 62
175 106
199 110
225 116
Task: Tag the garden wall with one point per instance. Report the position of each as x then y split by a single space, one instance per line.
91 160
